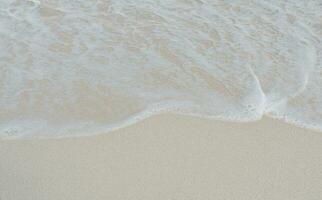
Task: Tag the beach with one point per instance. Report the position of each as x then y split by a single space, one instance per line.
168 157
160 100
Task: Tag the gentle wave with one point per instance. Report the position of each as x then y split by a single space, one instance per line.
77 67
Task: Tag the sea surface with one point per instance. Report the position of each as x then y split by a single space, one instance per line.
82 67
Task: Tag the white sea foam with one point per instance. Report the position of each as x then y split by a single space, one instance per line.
77 67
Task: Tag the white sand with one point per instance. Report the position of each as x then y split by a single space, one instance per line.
168 157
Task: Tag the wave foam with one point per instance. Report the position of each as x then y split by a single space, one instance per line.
70 68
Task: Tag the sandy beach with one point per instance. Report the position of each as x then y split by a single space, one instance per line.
75 68
168 157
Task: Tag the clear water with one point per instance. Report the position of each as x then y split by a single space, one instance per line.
79 67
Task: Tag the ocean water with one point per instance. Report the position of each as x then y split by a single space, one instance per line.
79 67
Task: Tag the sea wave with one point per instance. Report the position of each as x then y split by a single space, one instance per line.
75 67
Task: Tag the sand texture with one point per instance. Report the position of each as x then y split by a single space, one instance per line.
168 157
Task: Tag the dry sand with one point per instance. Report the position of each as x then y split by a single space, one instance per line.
168 157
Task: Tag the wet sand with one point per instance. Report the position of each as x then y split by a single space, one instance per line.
168 157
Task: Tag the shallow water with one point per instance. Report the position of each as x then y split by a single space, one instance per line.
77 67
